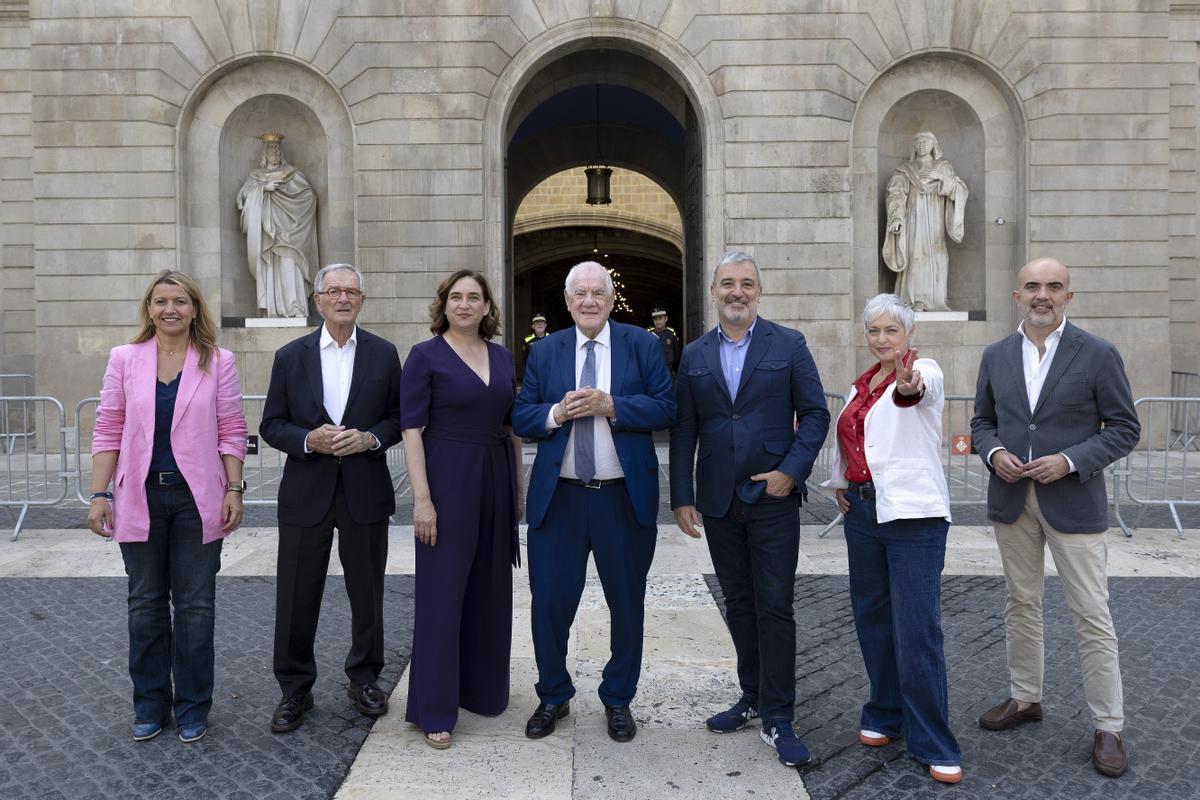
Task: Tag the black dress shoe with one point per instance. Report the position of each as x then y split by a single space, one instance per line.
368 699
544 719
621 727
290 712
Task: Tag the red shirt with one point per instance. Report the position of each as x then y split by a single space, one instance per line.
851 425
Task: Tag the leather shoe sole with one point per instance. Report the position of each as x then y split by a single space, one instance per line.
621 725
543 721
279 724
1008 715
357 694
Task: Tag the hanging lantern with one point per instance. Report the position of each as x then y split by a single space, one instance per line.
597 185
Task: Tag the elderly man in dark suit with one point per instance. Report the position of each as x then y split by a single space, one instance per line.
333 407
749 394
592 396
1053 408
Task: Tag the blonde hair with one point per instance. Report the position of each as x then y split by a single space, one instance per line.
203 332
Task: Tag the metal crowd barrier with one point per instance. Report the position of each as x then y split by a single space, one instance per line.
38 473
1164 477
262 468
15 423
1185 419
823 467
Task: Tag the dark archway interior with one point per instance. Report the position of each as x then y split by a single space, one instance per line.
643 121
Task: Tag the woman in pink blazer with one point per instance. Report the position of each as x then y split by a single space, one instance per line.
171 437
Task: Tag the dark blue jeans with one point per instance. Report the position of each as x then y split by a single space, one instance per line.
172 568
754 550
895 590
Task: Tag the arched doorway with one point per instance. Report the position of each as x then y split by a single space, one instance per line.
661 120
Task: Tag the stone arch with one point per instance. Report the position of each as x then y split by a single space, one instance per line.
979 112
215 146
576 37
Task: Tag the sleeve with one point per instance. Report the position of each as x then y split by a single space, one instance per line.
277 428
812 415
416 389
683 438
984 434
231 419
110 416
653 409
1121 429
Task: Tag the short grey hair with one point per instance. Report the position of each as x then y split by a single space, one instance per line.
586 265
319 280
892 306
736 257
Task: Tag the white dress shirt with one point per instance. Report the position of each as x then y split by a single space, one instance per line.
1037 367
337 370
608 466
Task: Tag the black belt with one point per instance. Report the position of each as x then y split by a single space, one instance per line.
594 483
864 490
165 478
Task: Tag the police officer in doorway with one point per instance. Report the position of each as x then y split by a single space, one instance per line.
666 337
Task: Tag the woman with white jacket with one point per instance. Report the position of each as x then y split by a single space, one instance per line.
887 473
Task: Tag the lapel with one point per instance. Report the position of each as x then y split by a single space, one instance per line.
144 382
311 358
710 346
566 360
1016 370
760 342
361 359
1068 347
618 358
189 381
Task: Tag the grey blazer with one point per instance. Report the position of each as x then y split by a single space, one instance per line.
1085 411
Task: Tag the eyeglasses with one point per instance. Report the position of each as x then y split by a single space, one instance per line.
334 294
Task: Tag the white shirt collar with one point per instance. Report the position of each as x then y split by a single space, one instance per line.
604 337
1056 333
327 339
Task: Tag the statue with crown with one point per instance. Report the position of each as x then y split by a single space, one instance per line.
279 218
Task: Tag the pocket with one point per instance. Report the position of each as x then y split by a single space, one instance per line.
1073 389
698 372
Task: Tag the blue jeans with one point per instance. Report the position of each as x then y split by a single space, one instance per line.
754 550
895 590
173 567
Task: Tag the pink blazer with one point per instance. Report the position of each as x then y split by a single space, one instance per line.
208 423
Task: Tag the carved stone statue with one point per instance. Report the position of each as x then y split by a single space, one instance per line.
926 203
279 218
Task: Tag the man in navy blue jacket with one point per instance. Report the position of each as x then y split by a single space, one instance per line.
749 394
592 396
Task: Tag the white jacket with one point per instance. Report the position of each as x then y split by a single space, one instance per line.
904 452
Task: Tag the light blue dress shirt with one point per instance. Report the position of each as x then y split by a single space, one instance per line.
733 356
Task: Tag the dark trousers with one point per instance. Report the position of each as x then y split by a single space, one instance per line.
173 567
895 591
303 563
602 522
754 550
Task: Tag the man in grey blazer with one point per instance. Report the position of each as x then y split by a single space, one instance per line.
1053 408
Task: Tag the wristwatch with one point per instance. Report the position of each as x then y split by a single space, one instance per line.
239 487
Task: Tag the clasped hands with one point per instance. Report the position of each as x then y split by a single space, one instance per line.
1046 469
584 403
338 440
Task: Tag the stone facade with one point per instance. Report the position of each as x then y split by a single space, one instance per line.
1084 120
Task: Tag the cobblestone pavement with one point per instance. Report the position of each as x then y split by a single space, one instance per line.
65 705
1156 622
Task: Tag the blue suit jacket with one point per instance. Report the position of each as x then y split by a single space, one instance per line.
753 434
1085 410
640 386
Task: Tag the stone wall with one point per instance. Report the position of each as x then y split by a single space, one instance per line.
776 87
17 348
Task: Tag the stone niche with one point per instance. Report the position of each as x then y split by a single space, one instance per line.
218 145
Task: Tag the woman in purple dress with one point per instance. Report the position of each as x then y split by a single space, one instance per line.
464 465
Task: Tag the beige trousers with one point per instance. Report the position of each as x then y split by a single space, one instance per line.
1081 560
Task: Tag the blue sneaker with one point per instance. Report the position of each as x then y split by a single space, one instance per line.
781 737
192 733
144 731
733 719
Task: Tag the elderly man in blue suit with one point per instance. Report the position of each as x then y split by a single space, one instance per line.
1053 408
750 396
592 396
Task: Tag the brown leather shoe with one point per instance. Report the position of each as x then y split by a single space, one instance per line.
1009 715
1108 754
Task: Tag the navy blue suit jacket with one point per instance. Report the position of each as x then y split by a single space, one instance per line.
295 405
640 386
754 434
